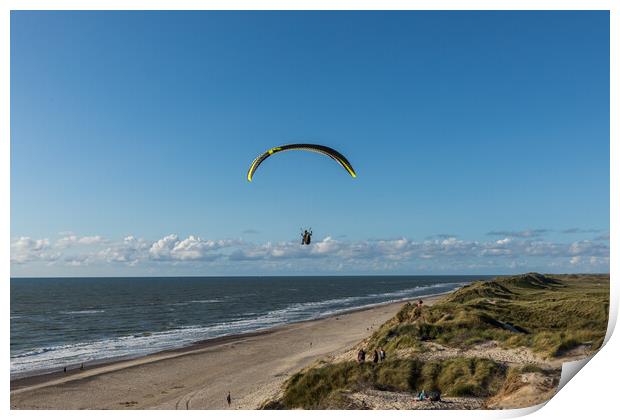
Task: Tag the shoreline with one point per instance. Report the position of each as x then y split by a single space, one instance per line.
38 379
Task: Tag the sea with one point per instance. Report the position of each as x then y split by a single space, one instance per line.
64 322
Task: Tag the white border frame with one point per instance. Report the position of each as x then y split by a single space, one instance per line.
572 401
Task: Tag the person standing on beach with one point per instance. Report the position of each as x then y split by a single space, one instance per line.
361 356
228 399
381 354
375 357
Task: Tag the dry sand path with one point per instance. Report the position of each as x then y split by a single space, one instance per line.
492 350
387 400
489 350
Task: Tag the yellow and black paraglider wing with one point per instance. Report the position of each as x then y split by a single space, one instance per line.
317 148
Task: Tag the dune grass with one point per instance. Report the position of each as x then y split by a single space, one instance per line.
323 387
551 315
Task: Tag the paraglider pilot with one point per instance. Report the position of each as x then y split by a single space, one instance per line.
306 237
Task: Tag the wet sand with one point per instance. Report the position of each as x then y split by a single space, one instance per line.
251 366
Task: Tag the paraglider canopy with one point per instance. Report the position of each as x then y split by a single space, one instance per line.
317 148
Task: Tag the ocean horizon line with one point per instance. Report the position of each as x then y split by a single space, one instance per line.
274 276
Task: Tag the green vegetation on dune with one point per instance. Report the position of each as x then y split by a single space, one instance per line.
549 315
323 387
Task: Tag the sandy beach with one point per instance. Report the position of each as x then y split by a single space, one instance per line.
252 367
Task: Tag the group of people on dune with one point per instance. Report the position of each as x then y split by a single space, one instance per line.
378 355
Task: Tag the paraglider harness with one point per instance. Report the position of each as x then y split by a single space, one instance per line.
306 237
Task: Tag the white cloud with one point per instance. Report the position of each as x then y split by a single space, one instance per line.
191 248
592 263
71 240
599 261
528 233
131 251
440 253
588 248
25 249
325 246
161 249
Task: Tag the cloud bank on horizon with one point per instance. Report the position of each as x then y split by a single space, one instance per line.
172 255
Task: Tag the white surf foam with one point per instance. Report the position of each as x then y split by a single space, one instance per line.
57 357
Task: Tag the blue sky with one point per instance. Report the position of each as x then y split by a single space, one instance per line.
131 135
